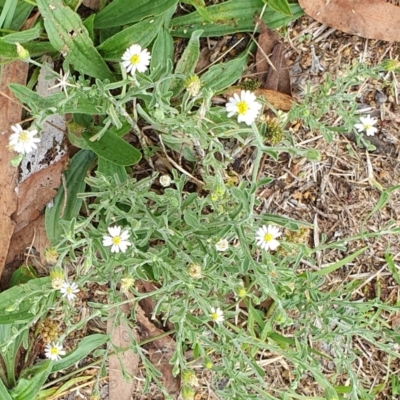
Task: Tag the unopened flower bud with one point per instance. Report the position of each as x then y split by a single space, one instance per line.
23 53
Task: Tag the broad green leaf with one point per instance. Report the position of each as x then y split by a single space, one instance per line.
27 389
4 392
230 17
21 14
110 169
187 62
85 347
223 75
141 33
163 49
66 205
24 36
121 12
16 302
201 8
9 51
281 6
23 274
69 36
111 147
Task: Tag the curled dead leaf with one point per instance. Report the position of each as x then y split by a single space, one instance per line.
372 19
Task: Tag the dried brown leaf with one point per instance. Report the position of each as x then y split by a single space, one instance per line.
119 388
15 72
272 69
160 352
372 19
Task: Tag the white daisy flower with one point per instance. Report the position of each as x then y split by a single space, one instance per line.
245 105
53 351
266 237
23 141
222 245
136 58
217 315
117 239
367 125
69 290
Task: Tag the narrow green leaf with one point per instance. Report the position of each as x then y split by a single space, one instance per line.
141 33
383 200
337 265
36 49
187 62
230 17
223 75
163 49
67 205
111 147
281 6
121 12
68 35
85 347
23 274
24 36
21 14
392 268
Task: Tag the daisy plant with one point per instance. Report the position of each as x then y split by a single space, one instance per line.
23 141
367 125
117 239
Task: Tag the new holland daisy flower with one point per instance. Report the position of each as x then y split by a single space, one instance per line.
245 105
367 125
266 237
23 141
117 239
217 315
54 351
136 59
69 290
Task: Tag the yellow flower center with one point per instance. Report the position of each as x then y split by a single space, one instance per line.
116 240
242 107
135 59
367 126
214 316
54 350
23 137
268 237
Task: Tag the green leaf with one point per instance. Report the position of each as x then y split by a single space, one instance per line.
23 274
69 36
27 389
4 392
66 205
201 8
337 265
111 147
85 347
16 302
24 36
187 62
121 12
281 6
163 49
230 17
223 75
110 169
141 33
8 50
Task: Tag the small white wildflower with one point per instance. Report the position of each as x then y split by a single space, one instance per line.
367 125
217 315
117 239
23 141
222 245
69 290
54 351
165 180
266 237
63 82
136 58
245 105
